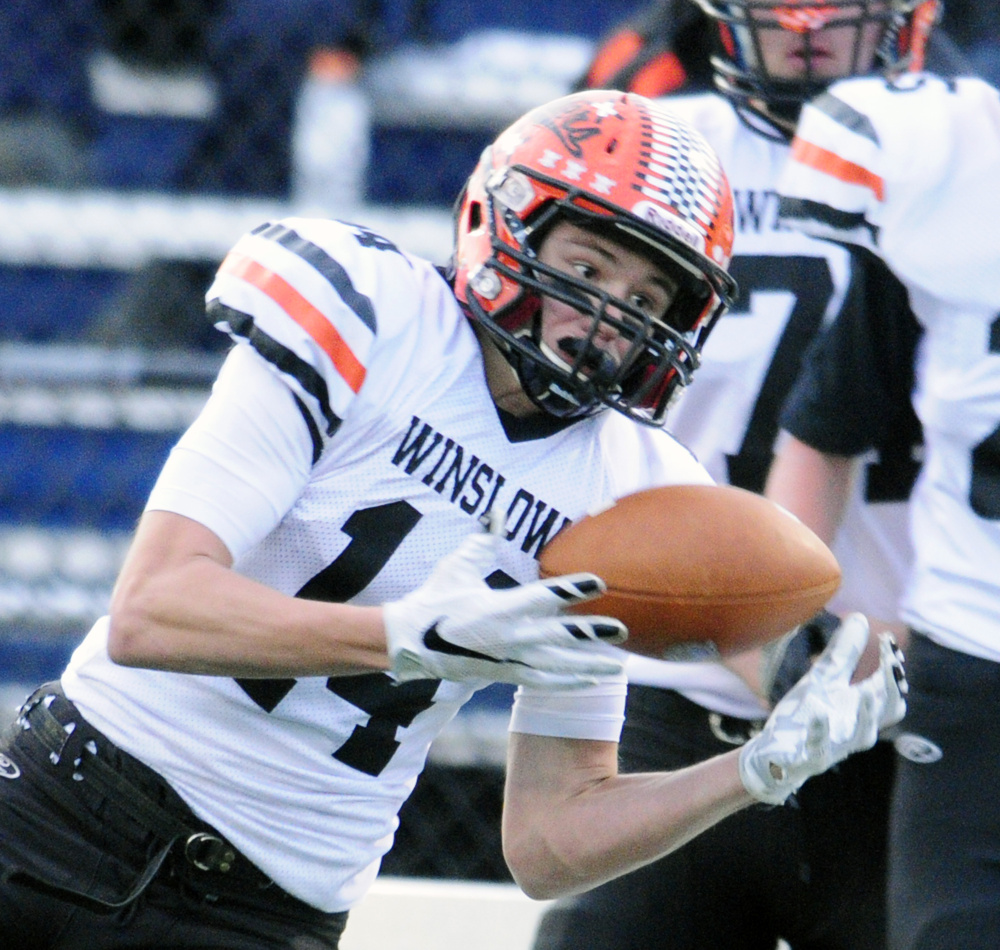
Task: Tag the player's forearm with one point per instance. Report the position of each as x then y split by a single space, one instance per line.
178 606
563 842
813 485
201 624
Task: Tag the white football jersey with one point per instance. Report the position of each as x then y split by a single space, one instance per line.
790 286
910 171
386 453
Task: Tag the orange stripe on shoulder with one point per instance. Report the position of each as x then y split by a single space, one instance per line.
302 312
830 164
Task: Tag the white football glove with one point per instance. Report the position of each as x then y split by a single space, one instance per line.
456 627
823 718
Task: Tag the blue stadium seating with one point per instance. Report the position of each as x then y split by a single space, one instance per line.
450 20
78 477
52 304
141 152
423 167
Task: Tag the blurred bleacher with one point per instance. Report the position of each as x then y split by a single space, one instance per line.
108 241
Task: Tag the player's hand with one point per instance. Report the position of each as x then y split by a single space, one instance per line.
823 718
456 627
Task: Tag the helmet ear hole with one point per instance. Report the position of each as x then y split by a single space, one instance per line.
475 216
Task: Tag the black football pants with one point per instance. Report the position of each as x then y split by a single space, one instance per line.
944 853
58 834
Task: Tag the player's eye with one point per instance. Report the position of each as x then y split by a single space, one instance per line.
654 304
642 302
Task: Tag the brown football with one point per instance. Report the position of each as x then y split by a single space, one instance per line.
697 564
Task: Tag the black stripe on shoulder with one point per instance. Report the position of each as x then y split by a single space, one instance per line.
317 442
314 255
801 209
243 325
846 115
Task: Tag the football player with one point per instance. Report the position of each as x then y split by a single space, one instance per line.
813 875
311 595
907 170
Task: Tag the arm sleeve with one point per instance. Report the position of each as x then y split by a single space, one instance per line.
245 459
593 712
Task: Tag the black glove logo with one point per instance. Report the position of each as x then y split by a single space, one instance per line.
434 641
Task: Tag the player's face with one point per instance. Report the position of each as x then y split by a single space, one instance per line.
610 267
802 46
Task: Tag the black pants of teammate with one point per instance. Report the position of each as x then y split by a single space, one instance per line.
811 872
60 833
944 853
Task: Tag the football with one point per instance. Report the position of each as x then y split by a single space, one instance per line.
697 568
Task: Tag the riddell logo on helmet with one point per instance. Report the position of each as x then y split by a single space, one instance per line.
670 223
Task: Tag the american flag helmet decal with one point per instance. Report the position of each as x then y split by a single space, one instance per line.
679 169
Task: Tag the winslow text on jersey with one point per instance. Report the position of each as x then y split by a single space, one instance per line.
440 463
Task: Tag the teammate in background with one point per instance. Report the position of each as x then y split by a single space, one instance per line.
907 170
868 356
813 875
310 597
663 48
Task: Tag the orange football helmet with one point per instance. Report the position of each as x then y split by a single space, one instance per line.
619 164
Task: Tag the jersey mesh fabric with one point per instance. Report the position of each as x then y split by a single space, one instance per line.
306 776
